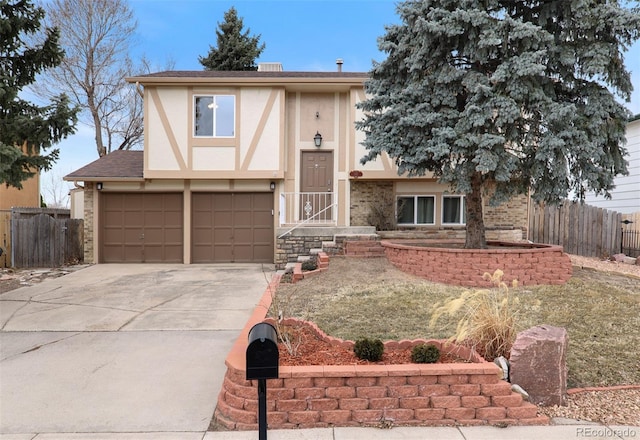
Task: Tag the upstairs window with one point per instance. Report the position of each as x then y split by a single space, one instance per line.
453 210
416 210
214 116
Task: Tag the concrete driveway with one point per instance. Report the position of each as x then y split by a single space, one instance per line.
122 348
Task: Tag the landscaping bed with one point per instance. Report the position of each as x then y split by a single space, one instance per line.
307 396
598 307
530 264
314 347
358 297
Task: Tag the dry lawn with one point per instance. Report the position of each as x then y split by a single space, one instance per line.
370 297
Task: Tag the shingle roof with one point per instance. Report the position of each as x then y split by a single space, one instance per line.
119 164
251 74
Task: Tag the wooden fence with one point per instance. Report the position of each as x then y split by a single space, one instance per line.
36 237
5 238
580 229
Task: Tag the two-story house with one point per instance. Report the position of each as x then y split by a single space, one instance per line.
254 167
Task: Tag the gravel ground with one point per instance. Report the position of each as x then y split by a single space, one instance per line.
609 407
606 265
606 406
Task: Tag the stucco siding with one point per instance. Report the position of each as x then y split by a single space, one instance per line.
172 149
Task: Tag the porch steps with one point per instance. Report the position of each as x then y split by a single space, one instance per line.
364 248
338 245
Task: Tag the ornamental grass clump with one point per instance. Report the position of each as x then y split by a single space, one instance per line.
369 349
490 316
425 354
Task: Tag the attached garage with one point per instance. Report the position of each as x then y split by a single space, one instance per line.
141 228
232 228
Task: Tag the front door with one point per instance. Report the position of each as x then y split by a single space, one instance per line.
316 186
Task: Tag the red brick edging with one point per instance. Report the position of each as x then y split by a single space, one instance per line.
530 264
357 395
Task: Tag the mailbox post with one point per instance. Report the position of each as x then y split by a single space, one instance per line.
262 363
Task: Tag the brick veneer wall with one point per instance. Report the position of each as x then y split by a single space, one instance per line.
88 222
530 264
513 214
364 194
357 395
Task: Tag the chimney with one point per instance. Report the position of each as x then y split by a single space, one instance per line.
270 67
339 63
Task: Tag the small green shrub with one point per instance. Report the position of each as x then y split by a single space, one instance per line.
309 265
425 354
369 349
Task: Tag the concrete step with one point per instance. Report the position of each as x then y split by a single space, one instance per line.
364 248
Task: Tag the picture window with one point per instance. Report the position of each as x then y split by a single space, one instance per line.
214 116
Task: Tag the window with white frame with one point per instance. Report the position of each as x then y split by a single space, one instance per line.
453 210
214 116
416 210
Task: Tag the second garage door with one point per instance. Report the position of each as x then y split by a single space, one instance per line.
232 228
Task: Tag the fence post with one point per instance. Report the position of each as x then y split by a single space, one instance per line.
625 222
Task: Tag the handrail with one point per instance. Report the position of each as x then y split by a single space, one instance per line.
308 219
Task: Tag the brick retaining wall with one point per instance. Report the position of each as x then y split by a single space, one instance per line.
530 264
359 395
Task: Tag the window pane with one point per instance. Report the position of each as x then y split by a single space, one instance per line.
426 207
204 116
225 115
451 210
405 210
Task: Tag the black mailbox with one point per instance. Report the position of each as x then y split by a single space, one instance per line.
262 353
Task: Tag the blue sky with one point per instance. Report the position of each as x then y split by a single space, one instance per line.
305 35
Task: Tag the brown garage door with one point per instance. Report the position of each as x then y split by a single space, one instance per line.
141 228
232 228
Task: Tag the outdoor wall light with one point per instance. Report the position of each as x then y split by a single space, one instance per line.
272 186
99 186
317 139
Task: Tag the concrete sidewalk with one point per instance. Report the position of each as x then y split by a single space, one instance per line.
562 432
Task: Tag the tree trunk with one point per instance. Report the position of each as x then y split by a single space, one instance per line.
475 238
102 151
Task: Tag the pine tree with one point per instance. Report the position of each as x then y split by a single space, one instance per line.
503 96
235 50
26 129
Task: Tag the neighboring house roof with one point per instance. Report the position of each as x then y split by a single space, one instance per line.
119 164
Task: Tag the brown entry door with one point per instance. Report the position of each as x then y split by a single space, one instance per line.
317 186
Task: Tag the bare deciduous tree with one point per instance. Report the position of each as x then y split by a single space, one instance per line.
55 191
96 36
